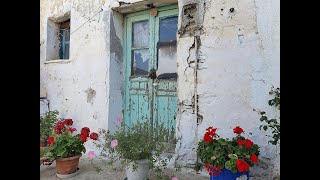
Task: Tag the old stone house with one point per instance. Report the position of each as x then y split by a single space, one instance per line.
187 63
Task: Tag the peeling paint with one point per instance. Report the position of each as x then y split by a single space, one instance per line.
91 94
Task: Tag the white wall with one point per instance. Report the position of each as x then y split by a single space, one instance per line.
78 88
238 61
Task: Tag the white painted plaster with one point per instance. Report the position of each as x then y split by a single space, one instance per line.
66 84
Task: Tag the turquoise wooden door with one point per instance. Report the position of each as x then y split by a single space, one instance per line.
151 77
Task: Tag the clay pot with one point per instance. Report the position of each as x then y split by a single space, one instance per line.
68 165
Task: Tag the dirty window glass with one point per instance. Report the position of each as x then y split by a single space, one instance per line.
140 48
168 28
64 40
64 37
140 64
140 34
167 59
167 48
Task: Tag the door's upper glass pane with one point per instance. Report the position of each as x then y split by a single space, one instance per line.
140 63
168 28
140 34
167 61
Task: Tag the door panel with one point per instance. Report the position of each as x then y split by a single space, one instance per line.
138 64
139 101
165 91
165 106
151 47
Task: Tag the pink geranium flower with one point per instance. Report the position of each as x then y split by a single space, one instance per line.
174 178
114 143
91 154
118 119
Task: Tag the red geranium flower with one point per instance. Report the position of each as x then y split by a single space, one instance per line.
213 170
71 129
242 166
207 165
254 158
41 145
85 130
248 143
94 136
240 142
64 122
50 141
60 128
207 137
238 130
69 122
83 137
212 131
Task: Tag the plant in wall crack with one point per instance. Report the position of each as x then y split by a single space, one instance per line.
272 123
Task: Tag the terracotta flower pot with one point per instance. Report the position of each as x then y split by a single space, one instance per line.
68 165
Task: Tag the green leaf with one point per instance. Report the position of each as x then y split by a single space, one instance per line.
233 156
228 165
223 142
233 170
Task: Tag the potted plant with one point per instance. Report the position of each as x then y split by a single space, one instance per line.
227 159
66 147
137 147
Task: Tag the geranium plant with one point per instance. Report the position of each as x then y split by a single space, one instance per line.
237 154
64 143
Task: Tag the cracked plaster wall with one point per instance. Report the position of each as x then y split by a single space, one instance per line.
225 71
226 68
